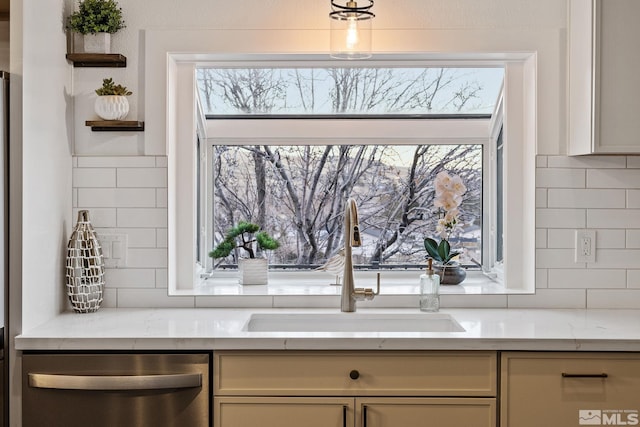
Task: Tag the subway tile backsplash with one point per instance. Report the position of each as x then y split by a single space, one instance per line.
598 193
128 195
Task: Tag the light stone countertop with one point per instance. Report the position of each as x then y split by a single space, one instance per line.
213 329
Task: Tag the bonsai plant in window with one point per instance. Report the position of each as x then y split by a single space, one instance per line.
112 103
96 20
247 236
448 197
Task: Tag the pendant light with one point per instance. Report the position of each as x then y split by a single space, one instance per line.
351 29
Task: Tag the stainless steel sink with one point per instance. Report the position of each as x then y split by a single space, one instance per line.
352 322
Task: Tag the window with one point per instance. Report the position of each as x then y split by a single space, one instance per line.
287 172
532 111
347 91
298 194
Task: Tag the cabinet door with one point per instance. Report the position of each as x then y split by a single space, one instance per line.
569 389
617 59
603 61
282 412
421 412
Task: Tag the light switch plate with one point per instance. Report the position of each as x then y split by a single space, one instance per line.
114 250
585 246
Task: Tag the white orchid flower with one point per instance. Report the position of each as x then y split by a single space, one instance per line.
443 176
448 197
451 216
440 188
457 186
447 201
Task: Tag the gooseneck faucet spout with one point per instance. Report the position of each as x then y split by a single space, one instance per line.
352 238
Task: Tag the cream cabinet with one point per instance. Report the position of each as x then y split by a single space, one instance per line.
420 412
283 411
604 95
569 389
361 389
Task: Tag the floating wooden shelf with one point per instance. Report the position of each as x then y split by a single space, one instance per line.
115 125
114 60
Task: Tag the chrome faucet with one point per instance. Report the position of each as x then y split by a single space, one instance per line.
352 238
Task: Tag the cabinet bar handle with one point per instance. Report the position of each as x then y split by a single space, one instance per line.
603 375
344 415
115 382
364 415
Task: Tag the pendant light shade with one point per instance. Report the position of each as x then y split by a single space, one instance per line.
351 29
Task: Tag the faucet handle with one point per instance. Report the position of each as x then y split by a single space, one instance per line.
367 293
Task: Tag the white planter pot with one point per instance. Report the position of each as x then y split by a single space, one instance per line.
97 43
253 271
112 107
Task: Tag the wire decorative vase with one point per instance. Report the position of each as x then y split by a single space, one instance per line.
85 267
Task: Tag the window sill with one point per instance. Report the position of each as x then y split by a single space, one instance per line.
318 283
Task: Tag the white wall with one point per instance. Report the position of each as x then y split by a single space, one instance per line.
47 104
595 192
40 186
611 282
547 15
600 193
143 283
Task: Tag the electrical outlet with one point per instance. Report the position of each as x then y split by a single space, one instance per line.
585 246
114 250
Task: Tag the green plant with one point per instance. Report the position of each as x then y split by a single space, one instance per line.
244 235
440 252
110 88
96 16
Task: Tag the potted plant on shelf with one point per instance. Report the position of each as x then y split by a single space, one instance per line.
448 197
96 20
247 236
112 103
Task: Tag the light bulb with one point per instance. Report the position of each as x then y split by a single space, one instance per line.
352 33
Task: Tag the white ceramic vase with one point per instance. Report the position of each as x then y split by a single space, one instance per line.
112 107
97 43
253 271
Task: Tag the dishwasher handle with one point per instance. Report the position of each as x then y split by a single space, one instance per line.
115 382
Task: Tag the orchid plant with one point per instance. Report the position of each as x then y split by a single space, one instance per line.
449 190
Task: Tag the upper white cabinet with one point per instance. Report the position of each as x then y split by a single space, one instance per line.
604 89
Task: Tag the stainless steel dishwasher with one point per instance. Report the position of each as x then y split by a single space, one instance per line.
116 390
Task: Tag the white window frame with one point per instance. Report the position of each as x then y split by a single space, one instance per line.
490 202
381 132
370 132
169 110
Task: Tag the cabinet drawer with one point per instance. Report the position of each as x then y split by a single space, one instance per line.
305 373
557 389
